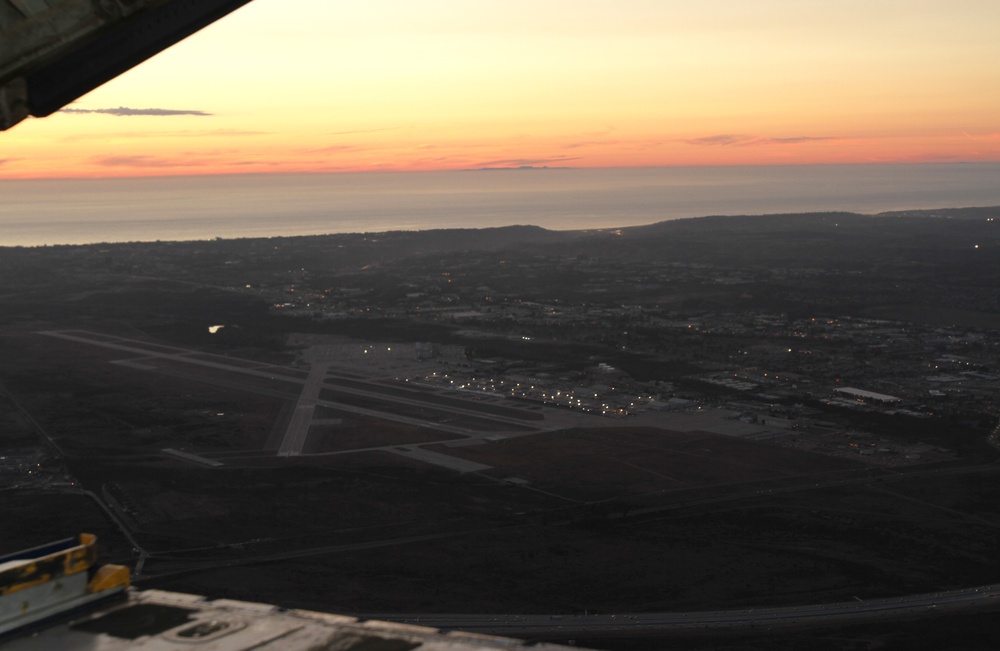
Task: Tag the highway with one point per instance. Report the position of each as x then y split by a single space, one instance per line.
743 620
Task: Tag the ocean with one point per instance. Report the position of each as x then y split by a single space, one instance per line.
60 211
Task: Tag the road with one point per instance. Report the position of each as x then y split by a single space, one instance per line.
717 621
32 423
123 527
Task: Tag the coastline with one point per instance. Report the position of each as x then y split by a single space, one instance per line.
81 211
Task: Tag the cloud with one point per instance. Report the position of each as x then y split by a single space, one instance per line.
122 111
797 139
348 133
589 143
737 140
336 149
724 140
527 162
137 161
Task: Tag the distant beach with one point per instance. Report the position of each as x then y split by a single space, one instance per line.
60 211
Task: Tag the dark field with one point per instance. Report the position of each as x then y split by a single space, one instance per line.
686 520
565 512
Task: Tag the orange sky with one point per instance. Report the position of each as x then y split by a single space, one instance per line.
313 85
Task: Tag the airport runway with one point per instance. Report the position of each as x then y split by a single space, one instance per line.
298 426
322 360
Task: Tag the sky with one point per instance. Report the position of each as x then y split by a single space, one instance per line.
292 86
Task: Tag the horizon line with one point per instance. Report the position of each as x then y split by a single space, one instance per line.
524 168
607 229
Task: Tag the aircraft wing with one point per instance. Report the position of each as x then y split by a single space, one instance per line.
54 51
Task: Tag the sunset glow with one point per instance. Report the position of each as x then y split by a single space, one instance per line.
314 86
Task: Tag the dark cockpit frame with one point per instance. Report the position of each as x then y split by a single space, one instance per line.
54 51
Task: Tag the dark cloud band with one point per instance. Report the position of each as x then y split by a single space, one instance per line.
528 162
123 111
735 140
